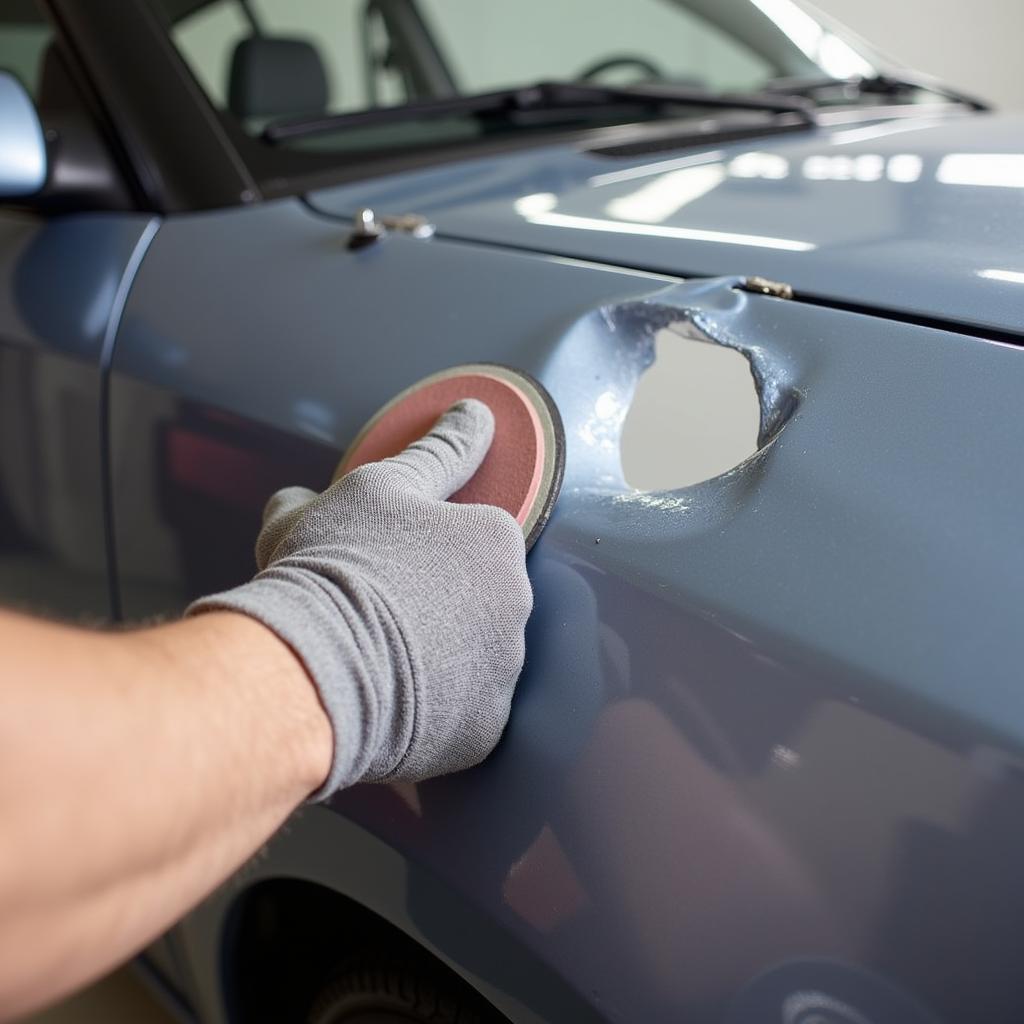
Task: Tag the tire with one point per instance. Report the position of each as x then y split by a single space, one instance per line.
379 990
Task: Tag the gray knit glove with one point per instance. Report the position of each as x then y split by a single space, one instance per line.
408 611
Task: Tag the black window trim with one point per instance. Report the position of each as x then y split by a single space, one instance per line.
175 141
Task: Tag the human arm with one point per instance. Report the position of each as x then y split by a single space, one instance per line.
137 770
380 641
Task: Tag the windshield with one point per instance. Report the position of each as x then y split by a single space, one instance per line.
265 61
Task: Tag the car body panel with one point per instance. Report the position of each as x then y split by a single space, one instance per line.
773 719
922 215
62 285
764 762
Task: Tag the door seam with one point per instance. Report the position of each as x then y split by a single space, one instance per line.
106 360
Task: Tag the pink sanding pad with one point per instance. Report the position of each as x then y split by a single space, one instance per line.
523 468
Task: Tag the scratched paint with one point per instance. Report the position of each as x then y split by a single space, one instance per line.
618 344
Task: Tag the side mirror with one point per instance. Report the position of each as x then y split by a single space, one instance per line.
22 146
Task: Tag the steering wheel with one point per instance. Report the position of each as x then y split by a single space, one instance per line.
629 60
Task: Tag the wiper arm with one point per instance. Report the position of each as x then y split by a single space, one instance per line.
541 96
884 83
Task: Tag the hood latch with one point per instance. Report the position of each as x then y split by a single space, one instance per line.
369 228
764 286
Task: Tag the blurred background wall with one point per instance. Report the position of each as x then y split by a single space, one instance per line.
975 44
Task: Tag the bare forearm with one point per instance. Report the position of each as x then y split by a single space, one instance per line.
136 772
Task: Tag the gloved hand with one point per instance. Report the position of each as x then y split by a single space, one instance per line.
407 611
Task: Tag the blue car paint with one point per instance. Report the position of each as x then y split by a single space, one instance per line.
770 727
879 214
62 282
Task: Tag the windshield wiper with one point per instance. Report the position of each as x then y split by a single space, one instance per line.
543 96
881 83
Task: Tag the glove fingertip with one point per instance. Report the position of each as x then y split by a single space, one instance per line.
286 500
445 458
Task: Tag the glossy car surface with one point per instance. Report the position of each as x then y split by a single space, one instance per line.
764 762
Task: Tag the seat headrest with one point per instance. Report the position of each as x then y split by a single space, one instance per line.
275 77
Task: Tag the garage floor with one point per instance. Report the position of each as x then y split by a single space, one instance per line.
118 999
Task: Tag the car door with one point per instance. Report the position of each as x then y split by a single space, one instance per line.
65 264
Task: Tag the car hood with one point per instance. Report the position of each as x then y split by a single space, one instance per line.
923 216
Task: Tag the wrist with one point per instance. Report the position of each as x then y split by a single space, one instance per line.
249 677
309 732
341 648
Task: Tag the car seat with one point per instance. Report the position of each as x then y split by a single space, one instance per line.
272 77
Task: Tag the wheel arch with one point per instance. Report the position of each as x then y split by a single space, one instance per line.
285 937
324 886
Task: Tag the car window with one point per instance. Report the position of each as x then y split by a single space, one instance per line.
206 40
492 46
262 62
484 45
24 36
334 28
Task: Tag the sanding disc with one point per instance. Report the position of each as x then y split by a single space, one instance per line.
522 472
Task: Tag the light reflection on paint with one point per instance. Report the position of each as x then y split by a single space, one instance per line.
601 429
999 170
657 501
98 311
658 200
659 167
1010 276
608 406
851 135
536 205
314 418
785 757
672 190
865 167
770 166
904 167
532 209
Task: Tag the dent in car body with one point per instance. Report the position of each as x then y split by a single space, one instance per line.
773 719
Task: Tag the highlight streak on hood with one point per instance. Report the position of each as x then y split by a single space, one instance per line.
921 216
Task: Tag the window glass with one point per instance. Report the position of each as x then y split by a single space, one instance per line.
24 36
306 58
486 45
493 45
720 45
207 40
335 27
